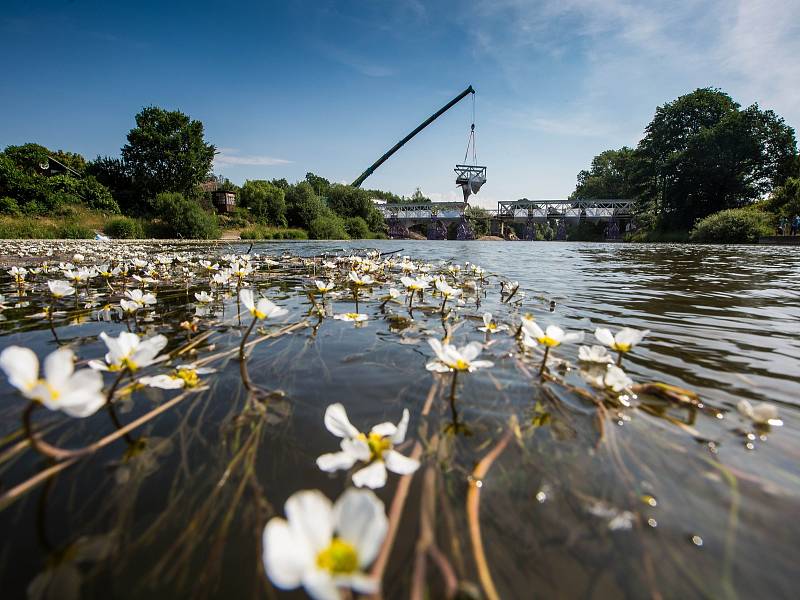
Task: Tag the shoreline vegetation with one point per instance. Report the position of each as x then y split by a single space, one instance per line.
706 170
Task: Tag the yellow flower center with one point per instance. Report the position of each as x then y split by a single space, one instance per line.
54 393
377 445
258 314
621 347
338 558
189 376
548 341
491 327
129 364
461 365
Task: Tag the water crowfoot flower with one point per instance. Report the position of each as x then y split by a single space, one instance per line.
490 326
594 354
264 309
763 413
77 393
624 340
376 449
550 338
129 351
353 317
449 358
60 289
324 547
184 376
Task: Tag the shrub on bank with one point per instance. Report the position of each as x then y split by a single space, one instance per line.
357 228
32 228
9 206
733 226
124 228
262 232
328 228
184 218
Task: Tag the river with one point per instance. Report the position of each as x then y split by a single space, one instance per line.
648 497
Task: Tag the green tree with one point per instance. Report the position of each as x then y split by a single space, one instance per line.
612 175
356 228
303 205
319 184
184 218
265 201
28 157
478 219
166 151
702 154
116 176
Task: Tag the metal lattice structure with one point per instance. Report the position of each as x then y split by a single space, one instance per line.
464 173
542 210
445 211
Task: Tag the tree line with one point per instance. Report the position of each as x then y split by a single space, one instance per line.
701 154
155 184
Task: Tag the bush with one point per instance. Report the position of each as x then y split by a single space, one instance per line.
733 226
75 231
262 232
303 206
357 228
266 202
328 228
124 228
184 218
9 206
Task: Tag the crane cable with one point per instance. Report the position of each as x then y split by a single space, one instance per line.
471 138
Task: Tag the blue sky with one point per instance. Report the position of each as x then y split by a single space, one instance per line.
286 88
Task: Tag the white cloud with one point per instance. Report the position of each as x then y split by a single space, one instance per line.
231 156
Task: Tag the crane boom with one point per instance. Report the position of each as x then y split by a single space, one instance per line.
401 143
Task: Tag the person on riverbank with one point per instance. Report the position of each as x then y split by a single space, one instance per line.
796 225
782 226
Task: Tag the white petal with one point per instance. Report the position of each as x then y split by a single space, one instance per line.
335 461
164 382
397 463
402 427
471 351
437 366
286 556
356 447
310 517
385 429
337 423
58 366
604 336
361 521
532 329
320 585
481 364
20 366
372 476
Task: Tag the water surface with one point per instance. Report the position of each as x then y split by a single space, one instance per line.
658 499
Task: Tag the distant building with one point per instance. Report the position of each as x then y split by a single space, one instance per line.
223 201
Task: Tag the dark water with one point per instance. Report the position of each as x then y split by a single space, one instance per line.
655 500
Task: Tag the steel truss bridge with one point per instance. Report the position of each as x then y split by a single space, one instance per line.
437 215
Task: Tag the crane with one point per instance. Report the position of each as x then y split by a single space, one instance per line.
423 125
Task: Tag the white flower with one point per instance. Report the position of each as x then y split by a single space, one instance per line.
18 273
323 287
414 284
130 352
184 376
60 289
128 306
553 336
360 279
79 394
204 297
376 449
323 547
450 358
490 326
354 317
625 339
140 298
594 354
609 376
264 309
763 413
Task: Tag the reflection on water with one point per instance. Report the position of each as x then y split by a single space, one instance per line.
582 496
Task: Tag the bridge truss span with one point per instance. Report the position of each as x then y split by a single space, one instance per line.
605 210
